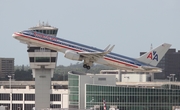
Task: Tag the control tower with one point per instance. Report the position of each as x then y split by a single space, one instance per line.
42 63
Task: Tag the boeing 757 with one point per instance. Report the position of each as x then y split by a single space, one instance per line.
89 55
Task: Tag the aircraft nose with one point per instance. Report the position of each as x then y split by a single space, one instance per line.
15 35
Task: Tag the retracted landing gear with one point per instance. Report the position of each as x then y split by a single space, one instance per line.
86 66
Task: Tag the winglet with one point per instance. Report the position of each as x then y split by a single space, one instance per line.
106 48
108 51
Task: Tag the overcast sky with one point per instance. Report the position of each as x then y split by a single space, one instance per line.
131 25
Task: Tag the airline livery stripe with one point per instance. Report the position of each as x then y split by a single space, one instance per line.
120 62
74 49
81 47
47 42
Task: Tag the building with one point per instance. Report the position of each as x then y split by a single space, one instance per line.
133 97
129 76
23 94
6 66
85 91
170 64
42 62
98 91
77 86
135 77
115 72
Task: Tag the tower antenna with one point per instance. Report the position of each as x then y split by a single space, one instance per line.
151 47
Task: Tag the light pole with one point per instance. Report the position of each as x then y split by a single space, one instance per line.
169 81
93 79
10 92
91 101
13 77
172 75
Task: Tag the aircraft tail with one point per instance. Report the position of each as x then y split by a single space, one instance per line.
155 55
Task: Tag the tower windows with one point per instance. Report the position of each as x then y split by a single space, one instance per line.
42 59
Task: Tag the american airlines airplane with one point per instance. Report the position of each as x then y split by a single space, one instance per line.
89 55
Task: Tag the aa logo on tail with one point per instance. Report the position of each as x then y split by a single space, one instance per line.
153 56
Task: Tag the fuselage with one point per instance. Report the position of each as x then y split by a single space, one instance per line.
62 45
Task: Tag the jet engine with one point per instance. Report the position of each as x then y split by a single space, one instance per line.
73 55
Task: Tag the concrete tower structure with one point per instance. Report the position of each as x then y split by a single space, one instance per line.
42 63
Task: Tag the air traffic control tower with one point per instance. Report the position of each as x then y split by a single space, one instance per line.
42 63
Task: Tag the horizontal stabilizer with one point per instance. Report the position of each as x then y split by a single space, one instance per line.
150 68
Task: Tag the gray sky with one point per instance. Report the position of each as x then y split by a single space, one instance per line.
132 25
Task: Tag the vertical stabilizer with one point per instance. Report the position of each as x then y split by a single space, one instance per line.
155 55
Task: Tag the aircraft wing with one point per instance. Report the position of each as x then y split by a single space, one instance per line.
94 55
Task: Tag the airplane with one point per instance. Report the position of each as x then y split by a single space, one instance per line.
90 55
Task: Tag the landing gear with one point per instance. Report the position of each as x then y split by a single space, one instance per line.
86 66
87 63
